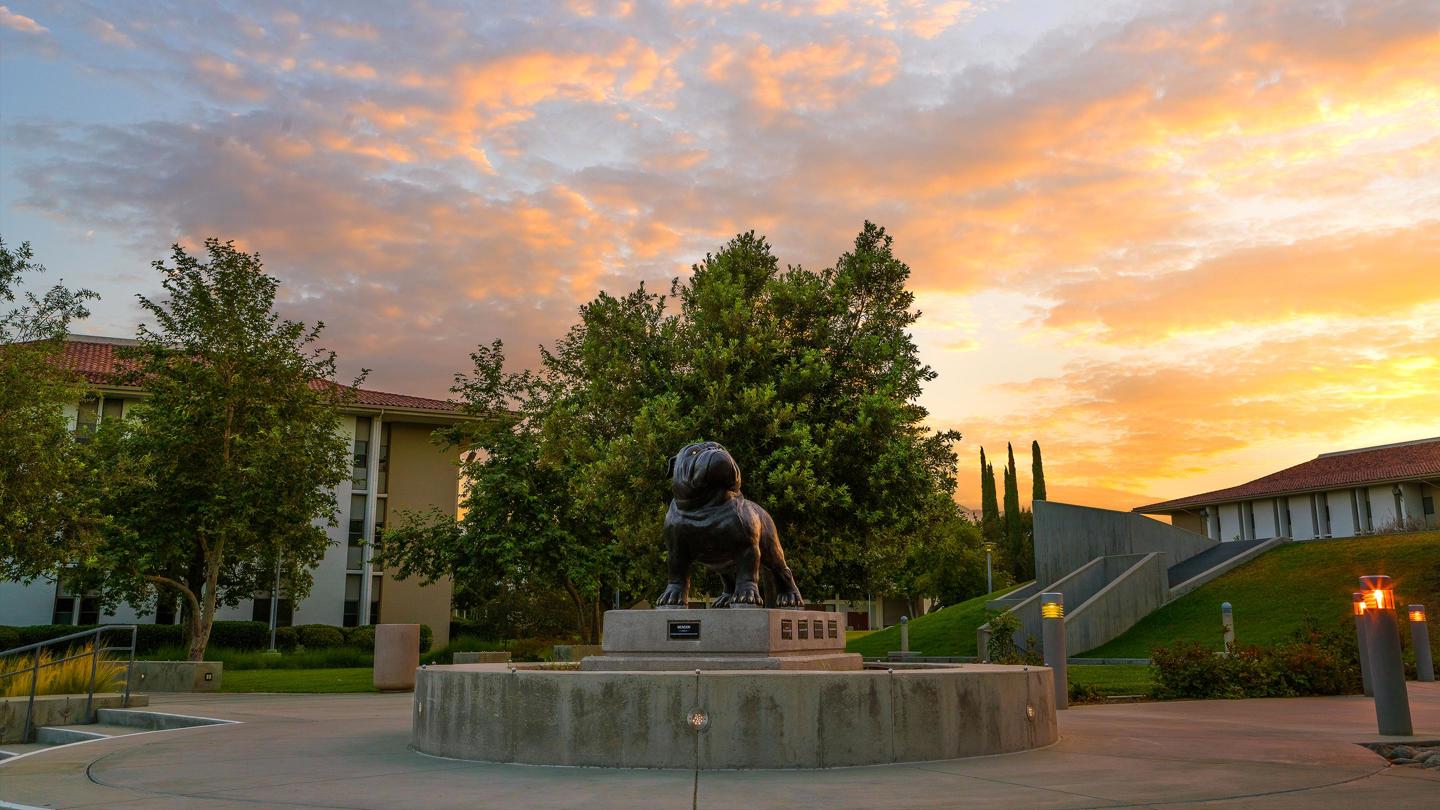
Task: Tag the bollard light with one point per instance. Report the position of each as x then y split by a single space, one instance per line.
1052 627
1420 638
1387 670
1362 641
1227 621
1379 592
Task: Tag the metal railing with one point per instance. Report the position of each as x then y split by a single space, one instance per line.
94 653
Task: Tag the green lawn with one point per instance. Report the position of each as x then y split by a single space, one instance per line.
949 631
1273 595
1114 679
343 679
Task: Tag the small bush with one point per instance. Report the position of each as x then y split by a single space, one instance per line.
1312 662
9 638
149 637
241 635
531 649
286 638
445 655
427 638
320 636
361 638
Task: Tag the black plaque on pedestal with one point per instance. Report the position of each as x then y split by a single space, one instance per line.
685 631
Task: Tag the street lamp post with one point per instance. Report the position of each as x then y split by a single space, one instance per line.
1420 637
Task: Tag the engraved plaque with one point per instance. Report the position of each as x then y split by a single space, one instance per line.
819 626
786 629
804 629
684 631
834 629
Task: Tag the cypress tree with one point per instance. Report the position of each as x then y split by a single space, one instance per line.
989 502
1014 535
1037 472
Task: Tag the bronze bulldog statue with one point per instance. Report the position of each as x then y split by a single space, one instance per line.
710 522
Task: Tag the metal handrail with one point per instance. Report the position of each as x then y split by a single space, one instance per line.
94 653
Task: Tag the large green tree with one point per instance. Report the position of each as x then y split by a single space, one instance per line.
1037 474
42 469
229 467
1021 560
990 527
810 378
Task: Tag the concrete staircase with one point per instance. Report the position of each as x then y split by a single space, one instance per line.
108 723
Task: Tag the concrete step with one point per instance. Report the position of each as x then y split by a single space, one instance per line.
8 750
63 735
138 720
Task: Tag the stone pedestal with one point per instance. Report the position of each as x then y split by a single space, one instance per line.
761 639
397 656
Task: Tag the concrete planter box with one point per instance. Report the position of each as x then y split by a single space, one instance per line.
179 676
397 656
487 657
56 710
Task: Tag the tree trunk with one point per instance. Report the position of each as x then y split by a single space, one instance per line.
595 622
581 631
200 638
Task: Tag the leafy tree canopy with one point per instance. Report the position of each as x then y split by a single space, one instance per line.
810 378
231 458
41 467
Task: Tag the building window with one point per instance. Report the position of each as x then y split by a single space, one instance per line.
87 416
382 473
352 600
165 612
71 608
360 474
1427 504
375 599
112 408
284 616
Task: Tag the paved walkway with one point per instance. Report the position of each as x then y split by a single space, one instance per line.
350 751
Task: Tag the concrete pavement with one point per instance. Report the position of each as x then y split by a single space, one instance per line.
350 751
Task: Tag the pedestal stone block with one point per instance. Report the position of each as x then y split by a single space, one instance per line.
765 639
397 656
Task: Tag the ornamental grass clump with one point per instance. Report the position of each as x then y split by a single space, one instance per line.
68 677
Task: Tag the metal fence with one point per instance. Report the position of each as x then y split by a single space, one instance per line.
94 654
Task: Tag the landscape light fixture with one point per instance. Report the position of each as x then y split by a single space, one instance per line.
1420 639
1387 670
1052 624
1362 641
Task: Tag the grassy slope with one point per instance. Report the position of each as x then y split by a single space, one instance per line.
1114 679
1272 595
346 679
950 631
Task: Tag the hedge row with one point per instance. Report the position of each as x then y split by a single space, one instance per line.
246 636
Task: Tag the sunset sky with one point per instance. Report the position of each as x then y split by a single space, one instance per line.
1181 244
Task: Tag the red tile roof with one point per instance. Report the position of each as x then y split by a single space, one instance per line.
1350 468
96 360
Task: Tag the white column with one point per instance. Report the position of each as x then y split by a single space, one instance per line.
372 473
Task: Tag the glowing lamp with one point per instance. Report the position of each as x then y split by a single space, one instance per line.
1379 592
1357 603
1052 606
1417 613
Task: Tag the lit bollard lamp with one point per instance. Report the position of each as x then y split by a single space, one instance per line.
1362 641
1227 620
1052 623
1387 670
1420 637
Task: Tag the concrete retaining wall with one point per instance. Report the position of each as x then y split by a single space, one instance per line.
755 719
1068 536
1228 565
55 710
1131 594
179 676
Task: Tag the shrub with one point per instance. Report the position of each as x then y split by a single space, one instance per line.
286 638
530 649
64 678
152 637
1001 648
362 638
1312 662
9 637
445 655
320 636
427 638
241 635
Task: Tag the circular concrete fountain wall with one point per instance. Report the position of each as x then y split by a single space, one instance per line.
731 719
